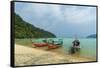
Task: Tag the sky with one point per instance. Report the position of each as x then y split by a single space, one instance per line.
61 20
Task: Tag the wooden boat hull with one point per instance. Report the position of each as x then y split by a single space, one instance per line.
53 46
40 44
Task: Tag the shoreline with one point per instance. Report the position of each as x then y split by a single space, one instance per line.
36 56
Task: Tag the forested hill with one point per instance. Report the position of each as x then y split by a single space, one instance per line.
26 30
92 36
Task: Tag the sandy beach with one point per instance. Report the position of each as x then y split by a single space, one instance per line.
35 56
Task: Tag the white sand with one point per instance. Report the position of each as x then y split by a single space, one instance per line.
33 56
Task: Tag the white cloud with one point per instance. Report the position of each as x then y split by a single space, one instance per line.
75 15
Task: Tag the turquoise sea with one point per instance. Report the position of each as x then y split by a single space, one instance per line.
88 45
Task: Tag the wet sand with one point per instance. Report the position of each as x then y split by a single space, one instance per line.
38 56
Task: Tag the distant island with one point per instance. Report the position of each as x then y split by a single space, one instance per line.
26 30
91 36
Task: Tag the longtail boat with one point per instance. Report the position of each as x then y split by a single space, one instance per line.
40 44
55 42
53 46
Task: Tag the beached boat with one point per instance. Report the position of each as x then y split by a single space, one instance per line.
55 42
58 42
50 43
53 46
40 44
